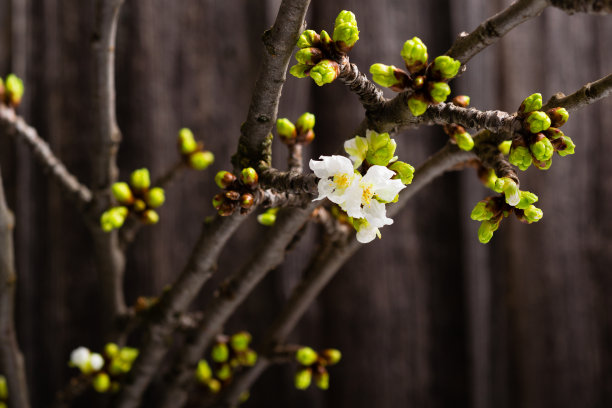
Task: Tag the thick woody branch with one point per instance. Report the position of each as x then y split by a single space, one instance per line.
291 182
11 359
16 127
584 6
273 198
492 29
279 43
586 95
370 96
230 295
492 158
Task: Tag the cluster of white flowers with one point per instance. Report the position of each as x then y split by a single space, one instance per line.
86 361
362 197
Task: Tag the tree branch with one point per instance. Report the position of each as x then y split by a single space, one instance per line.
584 6
492 29
16 126
290 182
11 359
586 95
370 96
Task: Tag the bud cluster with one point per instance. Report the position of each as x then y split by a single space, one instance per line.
239 192
491 210
319 55
228 355
136 198
300 133
428 81
312 365
3 392
193 152
11 91
541 136
105 371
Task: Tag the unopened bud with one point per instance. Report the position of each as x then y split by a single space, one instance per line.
139 205
224 372
156 197
569 147
527 199
214 386
122 193
417 106
150 217
309 56
240 341
558 116
306 356
140 179
250 358
520 156
303 378
542 149
331 356
325 38
300 70
267 219
419 81
403 171
249 177
537 122
384 75
464 141
531 103
446 66
308 38
246 201
543 165
381 148
345 29
14 89
224 179
201 160
232 195
482 212
504 147
325 72
218 200
101 382
219 353
286 129
439 91
203 372
111 350
533 214
414 53
3 388
113 218
305 122
486 230
321 378
510 190
187 142
461 100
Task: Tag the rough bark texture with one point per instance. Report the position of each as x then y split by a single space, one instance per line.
443 320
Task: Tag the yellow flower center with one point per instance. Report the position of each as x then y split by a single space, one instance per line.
368 193
342 180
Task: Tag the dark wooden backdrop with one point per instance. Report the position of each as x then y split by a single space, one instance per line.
426 317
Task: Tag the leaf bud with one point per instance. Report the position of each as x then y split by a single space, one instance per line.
486 230
224 179
122 193
303 378
150 217
558 116
321 378
201 160
417 106
461 100
403 171
446 66
203 372
533 214
300 70
345 29
325 72
384 75
249 177
520 156
14 89
286 130
542 149
240 341
527 199
306 356
101 382
308 38
531 103
414 53
140 179
439 91
464 141
537 122
156 197
187 142
219 353
482 212
504 147
309 56
305 122
331 356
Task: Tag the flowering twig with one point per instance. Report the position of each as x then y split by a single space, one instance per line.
230 295
15 126
11 359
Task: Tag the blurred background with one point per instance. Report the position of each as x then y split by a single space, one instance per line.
425 317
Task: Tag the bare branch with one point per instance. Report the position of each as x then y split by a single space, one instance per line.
295 160
291 181
16 126
586 95
11 359
370 96
272 198
584 6
491 30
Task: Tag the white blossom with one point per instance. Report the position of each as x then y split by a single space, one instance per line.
80 357
96 361
336 175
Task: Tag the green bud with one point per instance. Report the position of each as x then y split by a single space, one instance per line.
218 200
139 205
325 72
346 34
3 388
306 356
224 372
325 38
122 193
3 405
489 179
481 211
201 160
220 353
527 199
203 372
305 122
214 386
533 214
250 358
331 356
558 116
14 89
247 200
224 179
345 17
414 53
542 149
299 70
510 190
531 103
461 100
446 66
128 354
464 141
403 171
417 106
486 230
439 91
140 179
321 379
569 147
101 382
537 122
187 142
286 129
240 341
266 219
543 165
113 218
504 147
150 217
303 378
381 148
249 177
156 197
309 38
520 156
111 350
309 56
384 75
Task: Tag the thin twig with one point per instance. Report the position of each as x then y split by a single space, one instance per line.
295 160
11 359
586 95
